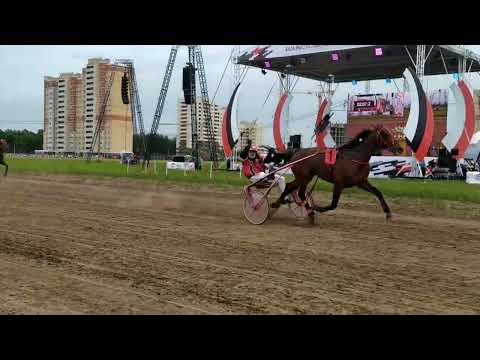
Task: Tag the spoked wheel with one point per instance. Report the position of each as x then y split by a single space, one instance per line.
296 206
256 207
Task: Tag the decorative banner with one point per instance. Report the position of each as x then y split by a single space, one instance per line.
227 136
419 128
364 105
460 119
262 52
469 128
187 166
377 104
323 137
279 112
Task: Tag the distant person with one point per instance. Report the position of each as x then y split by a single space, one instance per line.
253 165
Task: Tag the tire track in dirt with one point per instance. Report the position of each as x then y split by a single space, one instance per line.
334 273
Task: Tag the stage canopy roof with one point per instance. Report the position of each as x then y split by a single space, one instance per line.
356 62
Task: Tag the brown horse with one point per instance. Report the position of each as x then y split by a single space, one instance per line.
3 149
351 168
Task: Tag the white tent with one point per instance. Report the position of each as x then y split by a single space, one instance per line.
475 138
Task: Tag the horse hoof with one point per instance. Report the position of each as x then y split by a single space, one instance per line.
311 218
388 216
275 205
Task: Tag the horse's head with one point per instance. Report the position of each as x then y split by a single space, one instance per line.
385 140
3 145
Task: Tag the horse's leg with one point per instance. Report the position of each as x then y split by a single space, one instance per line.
372 189
303 197
337 191
2 162
291 186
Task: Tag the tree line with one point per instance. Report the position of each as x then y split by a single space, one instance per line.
22 141
159 144
26 141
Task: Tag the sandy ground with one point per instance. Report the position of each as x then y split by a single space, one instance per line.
73 245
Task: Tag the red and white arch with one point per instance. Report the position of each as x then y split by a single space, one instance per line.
460 119
278 137
323 138
419 128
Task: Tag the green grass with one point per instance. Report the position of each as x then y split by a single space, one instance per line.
416 189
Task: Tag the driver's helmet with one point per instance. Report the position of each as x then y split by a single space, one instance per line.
252 152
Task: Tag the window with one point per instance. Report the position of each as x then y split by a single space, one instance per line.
90 66
89 88
89 99
88 131
89 94
89 104
89 77
89 110
61 112
88 137
89 126
61 91
61 80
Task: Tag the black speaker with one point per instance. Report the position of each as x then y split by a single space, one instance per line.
188 76
125 89
296 141
454 152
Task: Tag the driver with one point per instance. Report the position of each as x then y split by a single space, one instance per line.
253 165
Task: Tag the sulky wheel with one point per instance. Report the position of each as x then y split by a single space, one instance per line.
256 207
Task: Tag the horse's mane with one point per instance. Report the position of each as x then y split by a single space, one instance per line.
357 140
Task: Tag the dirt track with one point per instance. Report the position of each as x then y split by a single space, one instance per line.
75 246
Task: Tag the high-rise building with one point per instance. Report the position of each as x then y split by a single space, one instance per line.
62 112
50 86
337 131
250 131
117 131
476 100
184 124
73 103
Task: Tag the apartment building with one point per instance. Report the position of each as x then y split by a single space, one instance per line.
116 134
72 106
250 131
476 100
184 125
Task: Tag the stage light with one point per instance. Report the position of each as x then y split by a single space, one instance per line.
388 81
268 64
354 82
456 76
378 51
334 57
264 72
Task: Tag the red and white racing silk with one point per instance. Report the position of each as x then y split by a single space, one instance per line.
251 168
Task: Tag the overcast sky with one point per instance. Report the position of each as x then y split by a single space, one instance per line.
23 69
